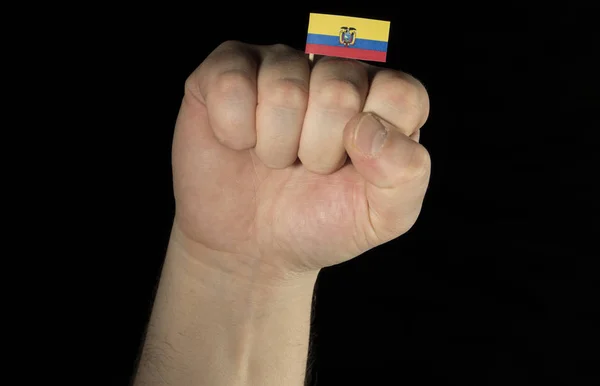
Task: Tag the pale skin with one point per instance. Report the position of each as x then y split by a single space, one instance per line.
281 168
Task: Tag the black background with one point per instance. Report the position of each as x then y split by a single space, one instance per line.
492 286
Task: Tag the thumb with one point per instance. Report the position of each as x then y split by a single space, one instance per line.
396 171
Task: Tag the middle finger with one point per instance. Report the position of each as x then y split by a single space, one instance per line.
338 89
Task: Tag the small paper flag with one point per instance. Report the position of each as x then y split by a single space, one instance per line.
347 37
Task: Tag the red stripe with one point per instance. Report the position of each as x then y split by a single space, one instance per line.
346 52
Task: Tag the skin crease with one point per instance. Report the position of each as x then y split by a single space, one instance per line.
276 175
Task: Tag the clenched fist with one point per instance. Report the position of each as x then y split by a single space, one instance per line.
288 166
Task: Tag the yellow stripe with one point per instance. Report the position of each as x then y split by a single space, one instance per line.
365 28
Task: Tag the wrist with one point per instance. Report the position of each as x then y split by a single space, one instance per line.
219 327
238 272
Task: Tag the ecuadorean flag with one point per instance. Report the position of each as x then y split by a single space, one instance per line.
347 37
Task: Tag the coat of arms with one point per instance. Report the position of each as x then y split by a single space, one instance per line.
347 36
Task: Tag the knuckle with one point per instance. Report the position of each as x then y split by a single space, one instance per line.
288 93
322 168
401 89
420 162
320 162
351 67
230 56
276 157
403 93
284 57
281 49
233 83
418 165
229 53
229 45
233 139
339 94
231 64
191 85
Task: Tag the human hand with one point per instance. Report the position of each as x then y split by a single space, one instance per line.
271 184
268 168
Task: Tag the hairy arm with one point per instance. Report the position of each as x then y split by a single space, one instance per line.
210 327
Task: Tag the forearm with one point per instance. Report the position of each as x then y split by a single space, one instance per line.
214 328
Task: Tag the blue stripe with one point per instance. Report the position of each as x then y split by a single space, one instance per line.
363 44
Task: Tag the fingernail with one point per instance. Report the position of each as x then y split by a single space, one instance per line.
370 135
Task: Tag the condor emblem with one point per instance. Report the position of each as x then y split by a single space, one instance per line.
347 36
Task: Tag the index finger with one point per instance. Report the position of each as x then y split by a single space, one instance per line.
398 98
